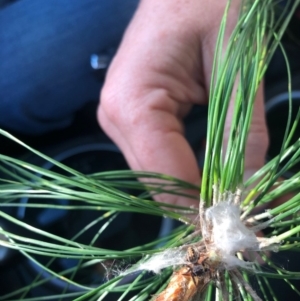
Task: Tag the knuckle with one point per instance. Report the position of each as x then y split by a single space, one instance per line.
108 109
119 109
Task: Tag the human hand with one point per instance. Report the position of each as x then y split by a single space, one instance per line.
161 69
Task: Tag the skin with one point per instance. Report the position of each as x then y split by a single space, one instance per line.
162 69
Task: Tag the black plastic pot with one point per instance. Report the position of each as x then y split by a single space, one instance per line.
86 154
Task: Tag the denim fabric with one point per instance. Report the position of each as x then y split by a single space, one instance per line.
45 49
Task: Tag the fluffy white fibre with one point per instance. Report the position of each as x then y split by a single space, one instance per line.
228 233
225 234
157 262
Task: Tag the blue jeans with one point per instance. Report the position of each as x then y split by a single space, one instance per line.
45 49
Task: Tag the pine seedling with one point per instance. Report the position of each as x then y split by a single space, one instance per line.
211 259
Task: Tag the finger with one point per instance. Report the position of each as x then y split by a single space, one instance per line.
257 141
155 76
152 138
